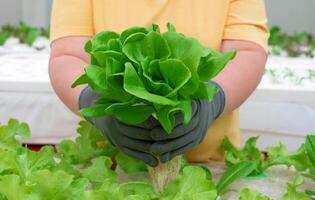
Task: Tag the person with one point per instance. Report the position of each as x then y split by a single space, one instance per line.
219 24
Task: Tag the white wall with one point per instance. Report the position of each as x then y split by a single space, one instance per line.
292 15
33 12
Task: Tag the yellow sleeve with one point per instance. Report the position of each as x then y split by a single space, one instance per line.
71 18
247 21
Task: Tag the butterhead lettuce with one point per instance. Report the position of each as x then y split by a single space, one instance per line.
142 73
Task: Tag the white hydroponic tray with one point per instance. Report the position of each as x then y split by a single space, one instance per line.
279 111
26 94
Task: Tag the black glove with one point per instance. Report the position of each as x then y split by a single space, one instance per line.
118 133
185 137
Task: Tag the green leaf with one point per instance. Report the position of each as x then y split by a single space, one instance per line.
211 65
152 45
310 148
247 193
292 193
130 31
88 145
189 51
235 172
134 114
9 132
109 190
134 85
100 42
57 185
175 73
103 56
130 165
281 156
154 27
192 183
26 161
99 171
83 79
166 115
12 188
155 82
140 189
170 27
4 36
205 91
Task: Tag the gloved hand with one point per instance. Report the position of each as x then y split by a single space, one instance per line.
118 133
148 140
185 137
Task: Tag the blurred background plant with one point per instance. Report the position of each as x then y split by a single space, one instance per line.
294 45
24 33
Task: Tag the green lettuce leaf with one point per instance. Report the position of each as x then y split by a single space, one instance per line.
247 194
292 193
9 132
193 183
88 145
99 171
156 71
130 165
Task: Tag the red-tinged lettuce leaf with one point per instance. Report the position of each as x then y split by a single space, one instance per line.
310 148
192 183
234 173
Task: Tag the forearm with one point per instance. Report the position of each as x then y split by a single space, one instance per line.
242 75
63 70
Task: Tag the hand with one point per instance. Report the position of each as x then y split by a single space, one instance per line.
185 137
133 140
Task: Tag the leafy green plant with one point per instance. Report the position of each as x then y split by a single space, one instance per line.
83 169
247 194
4 35
143 72
279 155
250 152
298 44
25 33
292 193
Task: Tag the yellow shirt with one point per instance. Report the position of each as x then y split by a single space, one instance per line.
210 21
